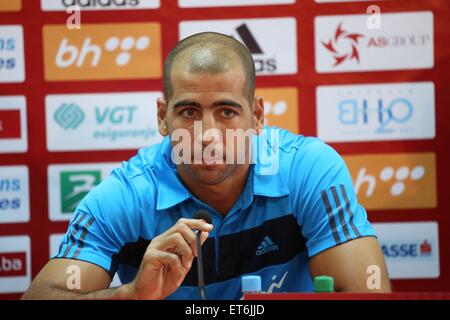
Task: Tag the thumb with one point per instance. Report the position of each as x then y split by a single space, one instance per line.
204 236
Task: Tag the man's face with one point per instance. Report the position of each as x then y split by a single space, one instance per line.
216 102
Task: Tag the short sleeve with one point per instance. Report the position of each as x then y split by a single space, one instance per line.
325 201
102 223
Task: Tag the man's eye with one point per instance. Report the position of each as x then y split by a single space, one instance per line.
228 113
189 113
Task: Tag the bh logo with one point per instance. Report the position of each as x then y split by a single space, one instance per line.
398 177
103 51
69 55
394 181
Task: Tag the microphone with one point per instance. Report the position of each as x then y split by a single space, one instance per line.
205 215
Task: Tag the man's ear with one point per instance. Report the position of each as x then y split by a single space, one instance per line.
161 113
258 113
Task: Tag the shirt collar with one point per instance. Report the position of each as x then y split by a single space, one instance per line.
171 190
268 180
266 176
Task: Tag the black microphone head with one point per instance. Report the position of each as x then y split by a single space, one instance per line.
203 214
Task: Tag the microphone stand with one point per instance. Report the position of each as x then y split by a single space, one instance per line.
201 280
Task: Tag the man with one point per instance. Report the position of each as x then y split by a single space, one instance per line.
294 221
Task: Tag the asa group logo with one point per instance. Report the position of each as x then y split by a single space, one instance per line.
10 5
411 249
62 5
376 112
14 194
110 121
103 52
280 107
68 184
15 264
227 3
12 62
13 124
272 41
394 181
344 43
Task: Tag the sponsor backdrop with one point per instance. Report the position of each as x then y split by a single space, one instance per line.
75 102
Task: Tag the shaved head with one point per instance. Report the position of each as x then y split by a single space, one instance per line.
212 53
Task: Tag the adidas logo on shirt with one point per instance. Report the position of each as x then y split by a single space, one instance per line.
266 246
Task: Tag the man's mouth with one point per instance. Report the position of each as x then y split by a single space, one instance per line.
208 160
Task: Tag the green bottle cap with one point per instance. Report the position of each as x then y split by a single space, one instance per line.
323 284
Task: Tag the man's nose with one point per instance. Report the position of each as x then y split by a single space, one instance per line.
210 131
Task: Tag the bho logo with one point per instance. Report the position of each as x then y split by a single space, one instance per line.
103 51
69 116
376 112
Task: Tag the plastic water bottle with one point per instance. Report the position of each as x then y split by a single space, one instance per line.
323 284
251 284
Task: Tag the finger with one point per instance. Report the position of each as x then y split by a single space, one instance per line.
185 227
175 267
204 236
178 245
198 224
188 235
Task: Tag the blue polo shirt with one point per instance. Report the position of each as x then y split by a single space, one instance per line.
297 204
